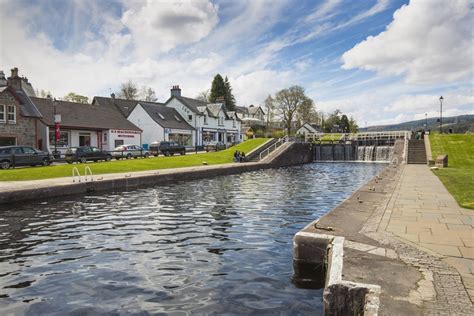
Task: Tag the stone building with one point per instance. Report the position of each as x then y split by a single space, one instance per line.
18 115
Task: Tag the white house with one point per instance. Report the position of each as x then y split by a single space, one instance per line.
251 116
307 128
84 125
161 123
210 120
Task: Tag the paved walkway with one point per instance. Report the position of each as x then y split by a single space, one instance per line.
423 213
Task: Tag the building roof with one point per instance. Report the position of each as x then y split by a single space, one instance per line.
27 108
192 104
167 117
241 109
83 116
125 106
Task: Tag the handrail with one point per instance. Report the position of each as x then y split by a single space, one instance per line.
273 147
74 172
86 174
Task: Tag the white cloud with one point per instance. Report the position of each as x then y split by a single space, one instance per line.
158 26
428 102
253 88
427 42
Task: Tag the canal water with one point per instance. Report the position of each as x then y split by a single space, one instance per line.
212 246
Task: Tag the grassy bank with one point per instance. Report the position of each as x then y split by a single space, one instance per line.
59 171
459 176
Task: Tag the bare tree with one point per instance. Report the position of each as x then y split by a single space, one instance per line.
128 90
307 112
288 102
203 96
148 94
270 109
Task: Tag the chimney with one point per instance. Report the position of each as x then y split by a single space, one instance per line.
175 91
112 95
14 72
221 100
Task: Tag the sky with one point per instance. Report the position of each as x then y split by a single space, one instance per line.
380 61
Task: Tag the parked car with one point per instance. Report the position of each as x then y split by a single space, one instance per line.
85 153
129 151
215 146
166 148
13 156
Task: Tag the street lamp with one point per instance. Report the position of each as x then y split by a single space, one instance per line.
441 114
426 121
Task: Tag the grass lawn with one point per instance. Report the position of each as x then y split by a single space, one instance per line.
331 137
114 166
458 178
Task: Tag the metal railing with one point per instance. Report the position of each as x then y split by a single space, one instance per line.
273 147
76 175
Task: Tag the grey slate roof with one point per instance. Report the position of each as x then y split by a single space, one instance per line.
125 106
170 115
83 116
193 104
27 108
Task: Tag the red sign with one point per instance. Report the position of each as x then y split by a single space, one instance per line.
58 132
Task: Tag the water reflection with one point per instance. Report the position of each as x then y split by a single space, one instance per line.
220 245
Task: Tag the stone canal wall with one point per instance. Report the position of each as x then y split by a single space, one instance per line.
20 191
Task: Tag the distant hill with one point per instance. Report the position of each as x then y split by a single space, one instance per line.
460 124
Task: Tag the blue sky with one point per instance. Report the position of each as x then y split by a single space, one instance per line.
381 61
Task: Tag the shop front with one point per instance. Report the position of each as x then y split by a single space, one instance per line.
182 137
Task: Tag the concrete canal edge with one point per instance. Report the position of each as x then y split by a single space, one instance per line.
340 297
292 154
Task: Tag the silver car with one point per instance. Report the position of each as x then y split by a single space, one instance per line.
129 151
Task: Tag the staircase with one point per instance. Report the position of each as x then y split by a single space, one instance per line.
416 151
255 154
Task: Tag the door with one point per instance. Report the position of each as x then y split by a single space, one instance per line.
19 157
84 139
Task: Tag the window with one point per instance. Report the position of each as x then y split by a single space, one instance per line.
84 139
63 138
12 114
190 117
29 150
221 121
177 118
104 137
233 123
2 113
160 115
205 119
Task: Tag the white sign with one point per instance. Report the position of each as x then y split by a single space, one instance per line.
57 118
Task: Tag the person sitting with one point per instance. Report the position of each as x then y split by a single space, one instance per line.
242 157
236 156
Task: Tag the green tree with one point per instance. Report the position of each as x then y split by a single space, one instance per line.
344 124
73 97
288 102
229 97
331 121
128 90
218 89
353 127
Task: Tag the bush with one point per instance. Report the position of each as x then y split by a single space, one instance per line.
278 134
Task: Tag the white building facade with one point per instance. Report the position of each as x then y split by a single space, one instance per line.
210 120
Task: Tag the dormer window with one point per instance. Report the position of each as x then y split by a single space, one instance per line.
221 121
233 123
205 119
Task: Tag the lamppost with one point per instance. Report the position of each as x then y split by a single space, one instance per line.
426 120
441 114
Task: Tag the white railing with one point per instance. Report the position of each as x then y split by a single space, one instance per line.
365 135
88 171
76 176
273 147
75 172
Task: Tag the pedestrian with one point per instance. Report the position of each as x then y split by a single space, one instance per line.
236 156
242 157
